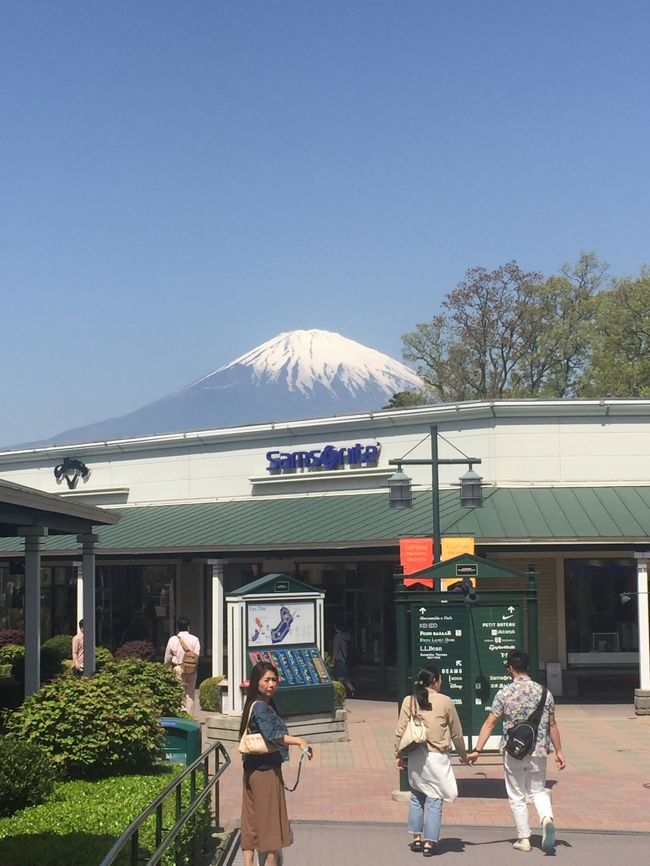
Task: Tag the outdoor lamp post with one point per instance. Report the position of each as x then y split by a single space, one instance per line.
399 485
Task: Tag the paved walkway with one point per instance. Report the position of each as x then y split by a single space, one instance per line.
606 785
366 845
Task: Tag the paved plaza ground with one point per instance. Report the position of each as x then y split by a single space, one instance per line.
343 811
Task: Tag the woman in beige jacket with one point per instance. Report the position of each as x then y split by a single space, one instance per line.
431 778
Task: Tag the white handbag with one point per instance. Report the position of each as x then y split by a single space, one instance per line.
415 733
254 744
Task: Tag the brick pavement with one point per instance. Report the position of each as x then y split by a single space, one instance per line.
606 785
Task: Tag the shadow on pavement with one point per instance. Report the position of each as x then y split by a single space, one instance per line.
487 789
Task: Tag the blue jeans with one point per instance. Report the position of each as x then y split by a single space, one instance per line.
425 816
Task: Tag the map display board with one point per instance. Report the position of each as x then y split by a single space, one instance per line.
280 623
298 666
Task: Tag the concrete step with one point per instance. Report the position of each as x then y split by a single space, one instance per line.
321 728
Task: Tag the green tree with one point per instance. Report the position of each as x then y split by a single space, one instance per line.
620 360
470 350
509 333
558 330
405 399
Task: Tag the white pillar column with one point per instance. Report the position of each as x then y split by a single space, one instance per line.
644 626
78 570
32 536
217 615
88 576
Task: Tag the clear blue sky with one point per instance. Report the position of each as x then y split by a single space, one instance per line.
184 180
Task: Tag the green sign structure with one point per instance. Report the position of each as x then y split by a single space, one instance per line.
467 642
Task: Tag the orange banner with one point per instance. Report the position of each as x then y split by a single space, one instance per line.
451 546
414 555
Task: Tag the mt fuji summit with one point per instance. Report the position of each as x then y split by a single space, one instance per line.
296 375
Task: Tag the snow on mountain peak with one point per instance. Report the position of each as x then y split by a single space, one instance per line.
303 358
298 374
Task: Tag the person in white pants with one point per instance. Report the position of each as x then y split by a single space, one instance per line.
525 777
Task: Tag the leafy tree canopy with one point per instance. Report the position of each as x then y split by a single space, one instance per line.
620 359
514 333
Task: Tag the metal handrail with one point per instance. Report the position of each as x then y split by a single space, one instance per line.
131 834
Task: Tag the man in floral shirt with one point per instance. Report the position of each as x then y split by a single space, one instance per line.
526 776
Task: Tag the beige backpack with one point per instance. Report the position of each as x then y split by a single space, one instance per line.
190 659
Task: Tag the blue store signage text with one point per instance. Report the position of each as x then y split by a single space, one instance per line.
328 457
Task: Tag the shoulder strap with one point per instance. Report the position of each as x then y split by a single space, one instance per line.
250 713
183 644
414 708
536 716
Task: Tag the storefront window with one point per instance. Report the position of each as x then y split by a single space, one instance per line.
135 602
12 595
601 626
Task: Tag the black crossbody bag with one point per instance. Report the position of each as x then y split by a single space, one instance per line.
520 739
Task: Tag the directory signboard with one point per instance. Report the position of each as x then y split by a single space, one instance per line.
496 629
441 638
469 646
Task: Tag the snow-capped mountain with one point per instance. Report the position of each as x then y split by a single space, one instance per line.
298 374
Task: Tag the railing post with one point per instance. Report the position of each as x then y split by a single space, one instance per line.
135 848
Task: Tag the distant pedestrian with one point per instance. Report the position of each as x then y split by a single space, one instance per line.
431 778
181 654
340 657
78 651
525 777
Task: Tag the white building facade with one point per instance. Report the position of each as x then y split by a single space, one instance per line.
567 491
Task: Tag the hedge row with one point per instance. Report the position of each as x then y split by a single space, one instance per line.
81 820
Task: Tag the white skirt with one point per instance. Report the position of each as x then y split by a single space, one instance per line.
431 774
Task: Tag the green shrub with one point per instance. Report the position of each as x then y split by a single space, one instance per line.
10 652
80 822
14 655
27 774
155 678
5 671
136 649
51 663
92 727
60 646
11 696
102 657
339 694
210 694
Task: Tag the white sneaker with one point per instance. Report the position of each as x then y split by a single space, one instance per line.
548 834
521 845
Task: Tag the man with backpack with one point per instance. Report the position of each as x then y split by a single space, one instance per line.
182 654
530 733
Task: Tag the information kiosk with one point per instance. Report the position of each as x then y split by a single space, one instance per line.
280 620
476 612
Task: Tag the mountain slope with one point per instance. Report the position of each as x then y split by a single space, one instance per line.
298 374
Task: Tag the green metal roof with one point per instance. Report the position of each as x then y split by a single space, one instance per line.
534 515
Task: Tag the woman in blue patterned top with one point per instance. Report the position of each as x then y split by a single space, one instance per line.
264 822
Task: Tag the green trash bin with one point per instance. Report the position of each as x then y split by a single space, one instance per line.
182 740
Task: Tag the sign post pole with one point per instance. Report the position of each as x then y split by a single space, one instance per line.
402 635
